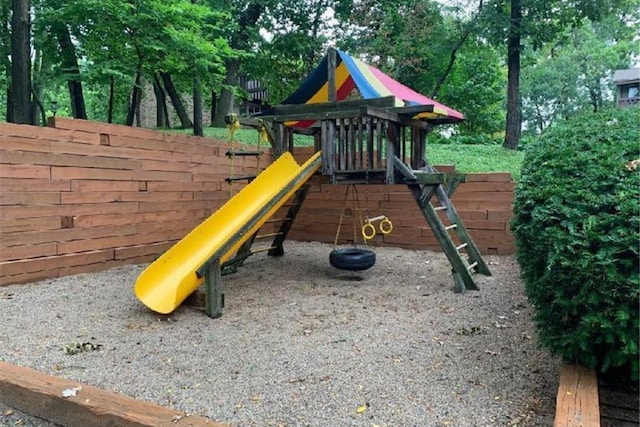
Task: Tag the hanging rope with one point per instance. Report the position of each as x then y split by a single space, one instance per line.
233 126
353 258
355 207
263 136
368 229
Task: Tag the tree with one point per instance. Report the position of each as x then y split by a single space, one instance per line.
476 86
435 50
5 54
534 23
20 105
71 70
512 132
299 36
239 38
573 73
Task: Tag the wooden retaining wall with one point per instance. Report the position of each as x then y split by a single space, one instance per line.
484 202
82 196
85 196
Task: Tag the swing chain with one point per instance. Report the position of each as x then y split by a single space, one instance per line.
355 201
368 230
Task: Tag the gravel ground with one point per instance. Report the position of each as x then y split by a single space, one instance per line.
300 344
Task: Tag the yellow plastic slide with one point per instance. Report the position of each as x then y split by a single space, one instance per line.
165 283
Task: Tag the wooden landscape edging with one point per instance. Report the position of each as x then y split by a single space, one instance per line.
577 402
40 395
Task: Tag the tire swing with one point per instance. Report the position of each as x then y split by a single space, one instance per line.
353 258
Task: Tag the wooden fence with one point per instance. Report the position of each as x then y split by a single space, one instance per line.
82 196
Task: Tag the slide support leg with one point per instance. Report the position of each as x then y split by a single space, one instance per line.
214 297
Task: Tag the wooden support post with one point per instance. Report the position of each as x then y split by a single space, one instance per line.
214 297
279 146
393 145
352 144
327 136
379 146
417 148
370 150
453 180
360 136
331 75
289 139
342 144
317 141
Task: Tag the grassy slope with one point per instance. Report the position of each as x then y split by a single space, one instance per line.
467 158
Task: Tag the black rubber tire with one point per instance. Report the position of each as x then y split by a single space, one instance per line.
352 259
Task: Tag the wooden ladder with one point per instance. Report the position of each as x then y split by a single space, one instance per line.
242 153
275 248
426 183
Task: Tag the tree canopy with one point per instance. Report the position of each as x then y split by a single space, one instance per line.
507 65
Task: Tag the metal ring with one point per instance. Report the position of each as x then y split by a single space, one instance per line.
371 234
385 226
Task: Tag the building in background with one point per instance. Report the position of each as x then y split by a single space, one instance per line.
627 87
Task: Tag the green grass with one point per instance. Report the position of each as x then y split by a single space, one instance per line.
466 158
476 158
244 135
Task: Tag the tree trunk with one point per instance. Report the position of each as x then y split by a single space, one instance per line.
21 62
214 103
38 107
226 101
185 121
138 103
9 114
37 91
5 52
197 106
595 95
161 102
112 88
71 70
512 134
135 96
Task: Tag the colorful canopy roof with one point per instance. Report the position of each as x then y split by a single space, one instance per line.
371 82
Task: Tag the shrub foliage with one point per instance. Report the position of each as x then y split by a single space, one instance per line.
576 224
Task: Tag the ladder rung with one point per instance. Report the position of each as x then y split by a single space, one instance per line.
255 251
464 245
472 265
269 221
262 236
451 227
240 178
440 208
243 153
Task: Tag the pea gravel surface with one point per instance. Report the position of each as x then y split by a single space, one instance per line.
300 344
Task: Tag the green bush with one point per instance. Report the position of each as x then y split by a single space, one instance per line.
576 224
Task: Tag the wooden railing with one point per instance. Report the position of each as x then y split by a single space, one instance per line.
629 102
359 139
